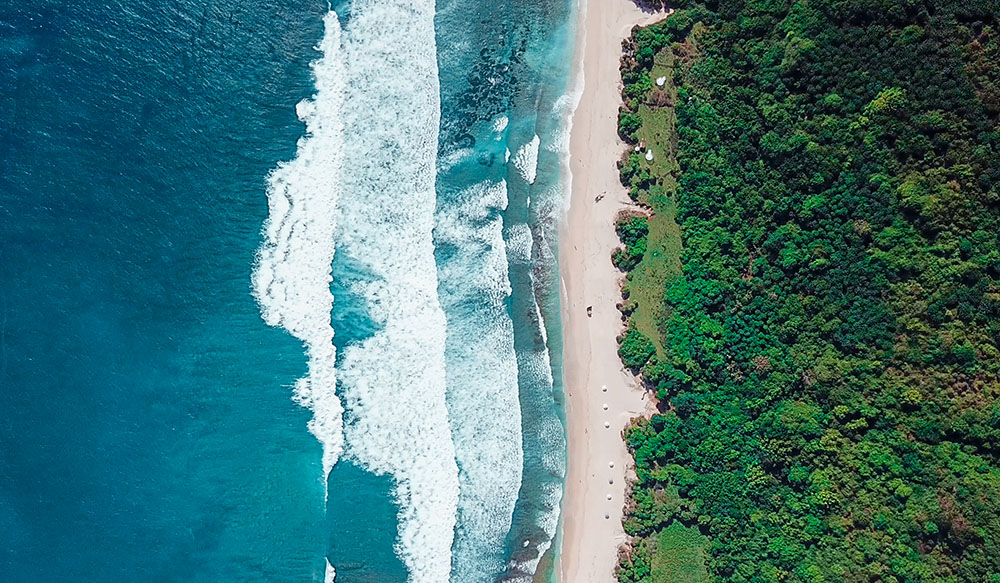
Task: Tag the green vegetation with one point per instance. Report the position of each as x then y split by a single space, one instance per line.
635 348
828 360
648 119
679 556
675 555
633 231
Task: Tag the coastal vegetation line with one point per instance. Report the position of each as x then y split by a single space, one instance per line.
813 291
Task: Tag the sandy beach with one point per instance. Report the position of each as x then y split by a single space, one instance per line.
601 396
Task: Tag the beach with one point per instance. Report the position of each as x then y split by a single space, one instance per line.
601 397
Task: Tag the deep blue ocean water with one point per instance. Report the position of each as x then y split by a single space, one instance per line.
147 426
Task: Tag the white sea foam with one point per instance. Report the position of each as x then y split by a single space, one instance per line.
550 438
482 378
526 160
519 243
568 104
291 280
500 124
548 208
541 323
564 108
537 365
547 519
394 381
452 159
546 432
552 435
330 574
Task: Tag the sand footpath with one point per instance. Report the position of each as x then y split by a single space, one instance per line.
598 460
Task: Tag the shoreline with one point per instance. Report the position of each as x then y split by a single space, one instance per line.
592 531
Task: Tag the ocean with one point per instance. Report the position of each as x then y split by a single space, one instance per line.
278 290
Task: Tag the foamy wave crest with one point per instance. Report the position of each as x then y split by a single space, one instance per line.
550 431
519 243
291 279
567 105
547 518
482 378
541 324
564 108
394 380
526 160
500 124
547 209
545 460
549 434
330 574
452 159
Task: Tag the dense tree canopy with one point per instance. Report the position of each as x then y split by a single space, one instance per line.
829 382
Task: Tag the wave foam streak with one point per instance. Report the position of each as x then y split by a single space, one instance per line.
544 461
291 280
394 381
482 377
526 160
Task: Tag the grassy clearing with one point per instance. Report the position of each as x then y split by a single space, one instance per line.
658 120
645 283
661 262
679 556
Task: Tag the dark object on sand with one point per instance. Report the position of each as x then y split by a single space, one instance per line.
590 311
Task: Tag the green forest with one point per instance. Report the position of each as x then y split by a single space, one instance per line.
813 294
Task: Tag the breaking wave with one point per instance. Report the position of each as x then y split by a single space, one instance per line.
291 279
394 381
372 198
482 377
526 160
430 397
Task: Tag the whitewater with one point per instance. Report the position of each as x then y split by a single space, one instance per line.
482 376
292 277
393 382
431 391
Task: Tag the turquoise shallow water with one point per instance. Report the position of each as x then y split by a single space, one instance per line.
147 426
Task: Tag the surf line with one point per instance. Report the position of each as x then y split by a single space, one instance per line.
474 288
394 381
292 276
377 82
